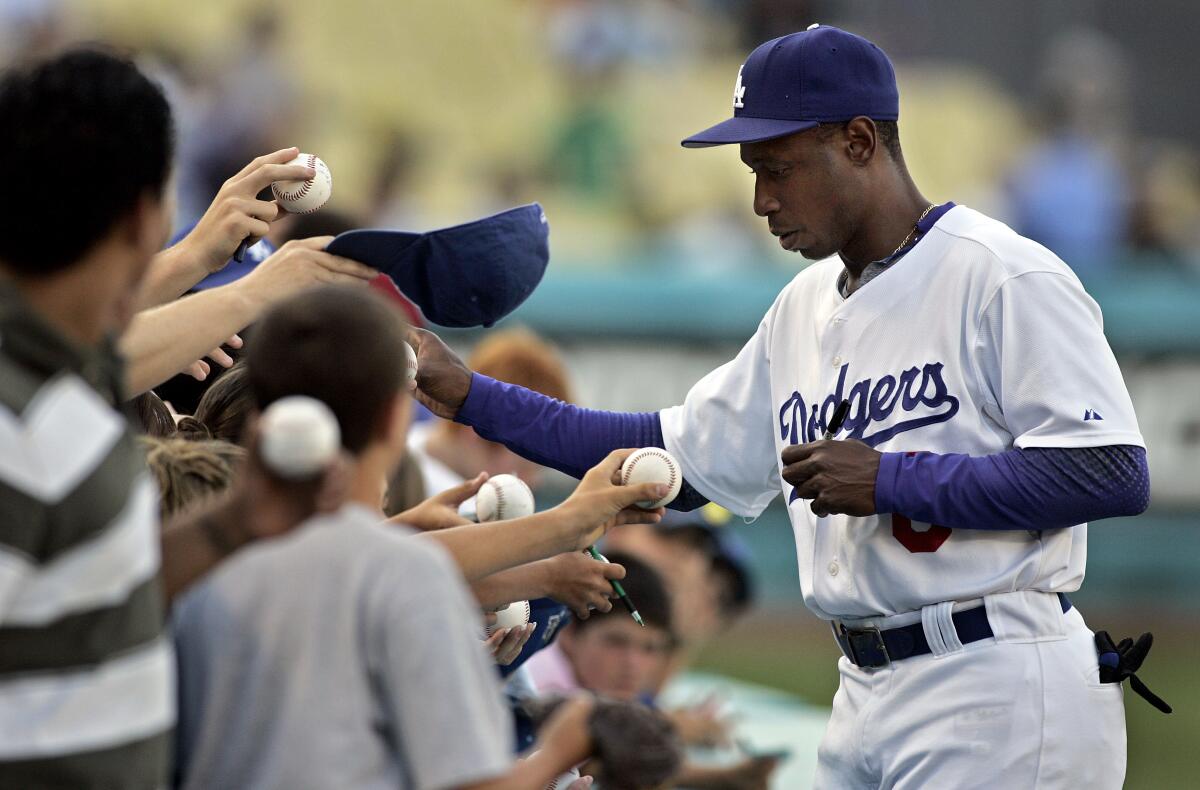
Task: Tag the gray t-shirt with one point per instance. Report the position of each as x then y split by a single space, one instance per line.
344 654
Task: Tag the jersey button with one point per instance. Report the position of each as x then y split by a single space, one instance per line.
833 568
837 362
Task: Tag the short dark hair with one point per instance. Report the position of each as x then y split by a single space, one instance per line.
647 590
85 131
888 133
339 344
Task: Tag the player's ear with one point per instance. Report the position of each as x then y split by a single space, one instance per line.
861 139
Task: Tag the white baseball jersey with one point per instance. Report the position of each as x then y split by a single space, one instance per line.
976 341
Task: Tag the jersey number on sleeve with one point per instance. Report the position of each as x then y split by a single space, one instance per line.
931 539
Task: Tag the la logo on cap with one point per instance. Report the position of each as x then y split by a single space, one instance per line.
739 90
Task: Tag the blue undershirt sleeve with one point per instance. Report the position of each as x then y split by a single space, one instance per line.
560 435
1027 489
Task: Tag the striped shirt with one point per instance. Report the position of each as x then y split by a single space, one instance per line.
86 675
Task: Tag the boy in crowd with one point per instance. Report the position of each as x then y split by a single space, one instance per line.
354 643
86 693
609 653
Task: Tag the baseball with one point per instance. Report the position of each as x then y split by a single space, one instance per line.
563 781
298 436
410 373
305 197
515 615
503 497
652 465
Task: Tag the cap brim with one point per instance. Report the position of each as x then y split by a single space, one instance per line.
746 130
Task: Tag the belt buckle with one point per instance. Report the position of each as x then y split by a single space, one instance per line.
863 646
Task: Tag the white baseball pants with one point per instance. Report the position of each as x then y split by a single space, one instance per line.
1025 709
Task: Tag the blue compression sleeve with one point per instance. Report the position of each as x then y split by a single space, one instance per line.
559 435
1033 489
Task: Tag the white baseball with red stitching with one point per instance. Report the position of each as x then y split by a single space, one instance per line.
515 615
652 465
503 497
305 197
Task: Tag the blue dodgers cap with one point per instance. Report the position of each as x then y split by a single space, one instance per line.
793 83
464 276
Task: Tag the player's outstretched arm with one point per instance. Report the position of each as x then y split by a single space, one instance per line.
596 505
546 431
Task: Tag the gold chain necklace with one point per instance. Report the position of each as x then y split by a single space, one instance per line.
908 238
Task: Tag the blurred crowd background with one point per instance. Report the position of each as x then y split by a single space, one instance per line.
1075 122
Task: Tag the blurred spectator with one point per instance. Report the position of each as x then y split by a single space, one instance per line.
188 472
609 653
613 656
590 154
595 36
1070 192
31 29
252 107
449 453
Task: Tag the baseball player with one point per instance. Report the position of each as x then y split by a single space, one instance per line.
942 527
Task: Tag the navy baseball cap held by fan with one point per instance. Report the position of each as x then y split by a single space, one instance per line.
793 83
463 276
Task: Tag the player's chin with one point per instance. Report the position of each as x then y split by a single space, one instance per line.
805 247
814 252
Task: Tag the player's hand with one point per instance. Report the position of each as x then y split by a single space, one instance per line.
298 265
838 476
441 510
443 381
200 369
506 644
236 213
581 583
600 502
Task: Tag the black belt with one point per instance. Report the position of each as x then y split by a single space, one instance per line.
871 648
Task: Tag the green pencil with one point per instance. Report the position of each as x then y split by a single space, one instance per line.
618 589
